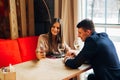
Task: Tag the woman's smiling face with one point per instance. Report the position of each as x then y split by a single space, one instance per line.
55 29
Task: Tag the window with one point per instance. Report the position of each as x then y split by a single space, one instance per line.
105 14
103 11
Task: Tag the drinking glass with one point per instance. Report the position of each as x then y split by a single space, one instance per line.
42 49
77 43
61 49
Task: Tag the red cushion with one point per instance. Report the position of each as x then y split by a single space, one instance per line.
9 53
2 39
27 47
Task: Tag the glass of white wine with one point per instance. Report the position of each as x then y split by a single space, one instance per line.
42 49
61 49
77 43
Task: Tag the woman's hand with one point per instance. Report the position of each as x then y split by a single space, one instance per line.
40 55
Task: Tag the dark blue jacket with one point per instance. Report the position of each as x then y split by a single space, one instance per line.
100 52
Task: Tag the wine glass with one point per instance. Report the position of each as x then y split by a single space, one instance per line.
61 49
42 49
77 43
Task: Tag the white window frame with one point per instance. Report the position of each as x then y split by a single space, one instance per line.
113 30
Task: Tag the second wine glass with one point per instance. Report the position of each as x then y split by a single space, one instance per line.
42 49
61 49
77 43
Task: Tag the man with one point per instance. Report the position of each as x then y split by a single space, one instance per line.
98 50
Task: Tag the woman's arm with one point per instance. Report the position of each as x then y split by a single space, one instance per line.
40 50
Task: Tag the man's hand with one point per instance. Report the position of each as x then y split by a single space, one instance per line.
69 55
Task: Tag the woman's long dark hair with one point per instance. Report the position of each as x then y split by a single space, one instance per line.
59 37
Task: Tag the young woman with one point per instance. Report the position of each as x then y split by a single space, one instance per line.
48 43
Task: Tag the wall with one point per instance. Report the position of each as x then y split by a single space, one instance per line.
41 15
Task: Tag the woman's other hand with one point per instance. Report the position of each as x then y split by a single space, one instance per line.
40 55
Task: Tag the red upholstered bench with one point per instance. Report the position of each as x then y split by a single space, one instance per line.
27 47
17 51
9 52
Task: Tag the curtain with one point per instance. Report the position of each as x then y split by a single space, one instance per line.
67 10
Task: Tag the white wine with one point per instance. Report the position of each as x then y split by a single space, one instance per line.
61 50
77 43
77 46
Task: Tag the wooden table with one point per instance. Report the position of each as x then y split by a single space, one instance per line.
47 69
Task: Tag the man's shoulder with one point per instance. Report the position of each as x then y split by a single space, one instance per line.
98 36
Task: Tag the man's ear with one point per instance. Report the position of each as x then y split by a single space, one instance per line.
89 32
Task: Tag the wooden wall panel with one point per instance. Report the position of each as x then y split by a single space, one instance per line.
31 26
23 18
13 20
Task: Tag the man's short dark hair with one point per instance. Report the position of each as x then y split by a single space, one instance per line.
86 24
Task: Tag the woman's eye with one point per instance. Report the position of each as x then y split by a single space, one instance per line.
53 26
58 28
